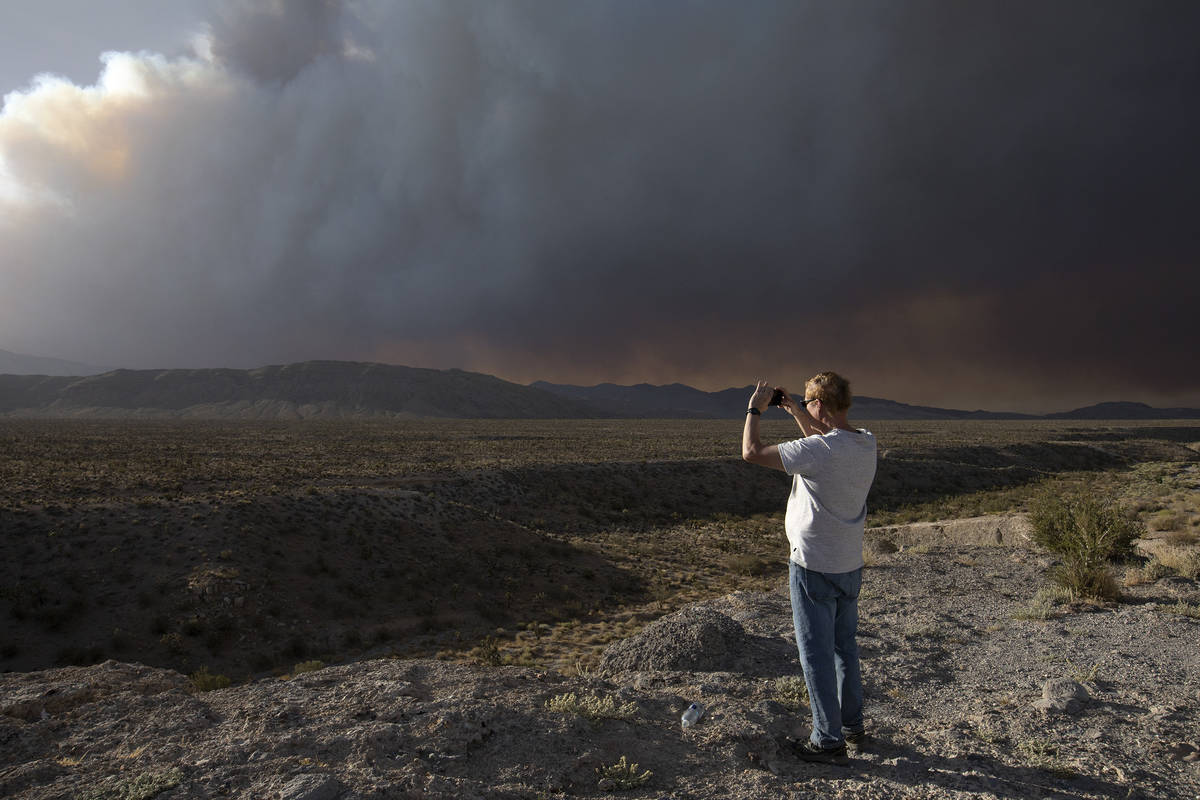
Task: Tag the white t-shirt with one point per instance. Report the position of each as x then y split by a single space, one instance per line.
828 504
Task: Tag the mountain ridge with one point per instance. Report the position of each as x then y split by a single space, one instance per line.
350 389
305 390
677 400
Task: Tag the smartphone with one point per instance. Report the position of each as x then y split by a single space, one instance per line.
776 398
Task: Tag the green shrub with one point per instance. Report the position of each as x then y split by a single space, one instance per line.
1087 579
135 787
592 706
204 681
1088 534
488 653
791 691
308 666
1083 528
621 776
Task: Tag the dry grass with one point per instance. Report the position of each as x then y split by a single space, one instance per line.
1046 604
1179 560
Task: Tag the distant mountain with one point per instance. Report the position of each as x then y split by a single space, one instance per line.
677 401
343 389
673 401
18 364
876 408
1126 410
312 389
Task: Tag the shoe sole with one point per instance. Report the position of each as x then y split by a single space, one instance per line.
837 761
840 759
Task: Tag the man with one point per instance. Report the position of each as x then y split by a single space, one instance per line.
833 466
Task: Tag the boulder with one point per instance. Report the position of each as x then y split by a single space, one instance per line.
1063 695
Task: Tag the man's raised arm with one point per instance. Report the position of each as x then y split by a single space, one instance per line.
753 450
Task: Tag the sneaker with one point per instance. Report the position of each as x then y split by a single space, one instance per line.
807 751
856 738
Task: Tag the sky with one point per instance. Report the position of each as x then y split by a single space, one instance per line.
971 205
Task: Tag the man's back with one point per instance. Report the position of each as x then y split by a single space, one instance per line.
827 507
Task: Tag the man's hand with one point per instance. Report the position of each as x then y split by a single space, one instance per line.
762 396
788 404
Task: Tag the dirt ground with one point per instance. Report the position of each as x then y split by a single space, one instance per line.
952 668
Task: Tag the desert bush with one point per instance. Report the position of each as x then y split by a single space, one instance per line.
594 707
1087 579
621 776
1088 534
488 653
792 691
135 787
1081 527
204 681
308 666
1044 755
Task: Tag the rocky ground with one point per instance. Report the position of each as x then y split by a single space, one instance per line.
955 661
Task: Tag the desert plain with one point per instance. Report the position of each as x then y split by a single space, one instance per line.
158 571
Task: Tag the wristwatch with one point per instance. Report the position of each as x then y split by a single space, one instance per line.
753 410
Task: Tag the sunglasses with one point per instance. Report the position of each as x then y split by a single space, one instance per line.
815 399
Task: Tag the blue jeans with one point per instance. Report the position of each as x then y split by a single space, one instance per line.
825 613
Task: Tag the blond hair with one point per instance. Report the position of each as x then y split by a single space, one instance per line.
831 389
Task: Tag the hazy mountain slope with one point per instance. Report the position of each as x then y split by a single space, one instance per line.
310 389
21 364
337 389
1126 410
675 401
877 408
